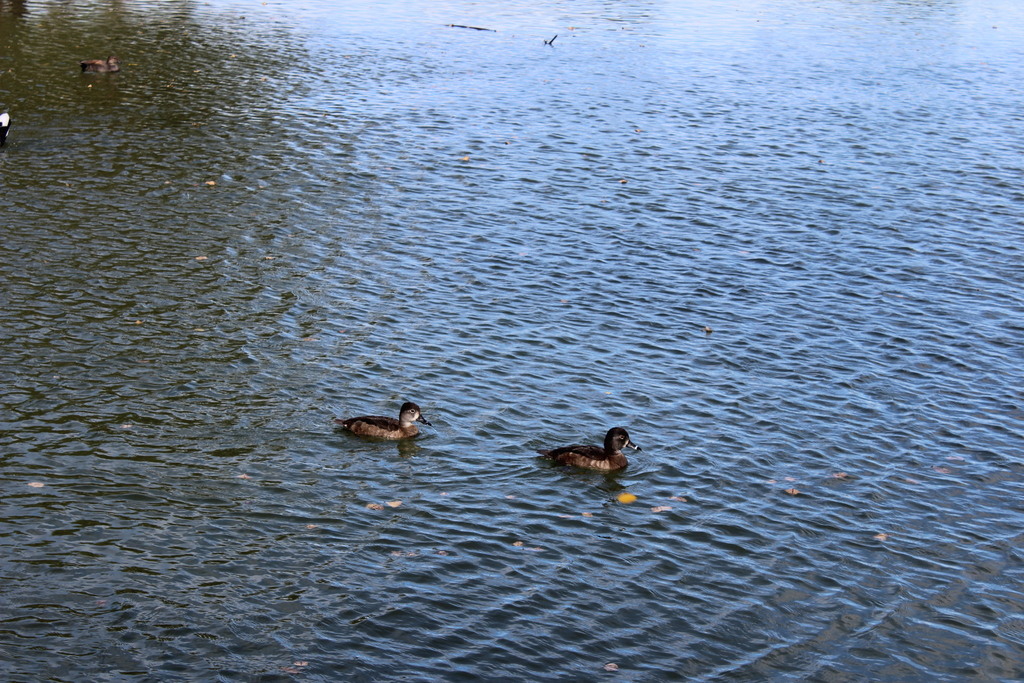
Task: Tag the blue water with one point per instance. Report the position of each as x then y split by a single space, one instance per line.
778 241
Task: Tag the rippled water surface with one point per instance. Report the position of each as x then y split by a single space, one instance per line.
778 240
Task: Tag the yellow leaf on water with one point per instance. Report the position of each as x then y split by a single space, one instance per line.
681 499
374 506
518 544
881 537
626 497
393 503
793 492
611 666
211 182
244 476
201 258
588 514
661 508
36 484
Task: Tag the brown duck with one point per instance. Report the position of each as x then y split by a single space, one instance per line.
608 458
386 427
101 66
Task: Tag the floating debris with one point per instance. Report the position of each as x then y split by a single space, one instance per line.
472 28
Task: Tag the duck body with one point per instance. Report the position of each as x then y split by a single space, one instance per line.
101 66
609 457
386 427
5 127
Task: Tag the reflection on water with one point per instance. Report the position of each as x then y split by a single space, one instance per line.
276 215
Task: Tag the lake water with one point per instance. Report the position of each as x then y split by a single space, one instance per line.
279 213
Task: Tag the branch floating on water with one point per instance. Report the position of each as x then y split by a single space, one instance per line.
475 28
552 41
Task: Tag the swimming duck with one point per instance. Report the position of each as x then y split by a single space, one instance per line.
5 126
608 458
387 427
101 66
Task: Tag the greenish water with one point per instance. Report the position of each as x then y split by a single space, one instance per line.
280 213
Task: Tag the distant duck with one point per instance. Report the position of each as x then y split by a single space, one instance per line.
387 427
101 66
608 458
5 127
